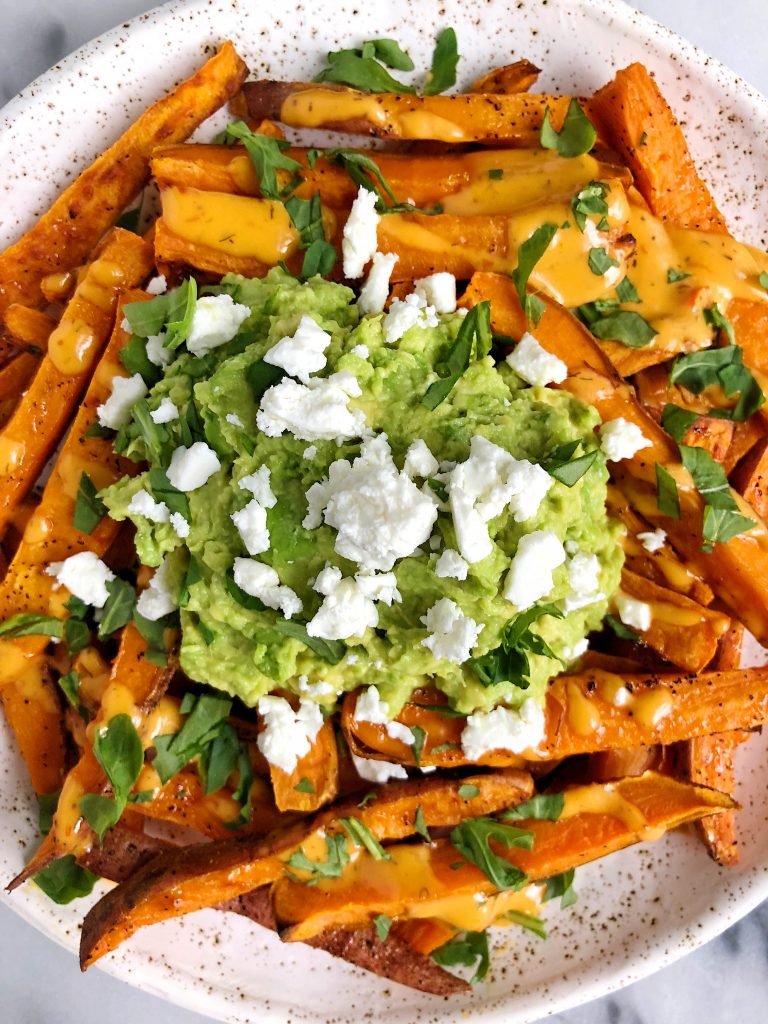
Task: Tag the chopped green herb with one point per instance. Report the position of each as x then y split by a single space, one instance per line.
643 139
206 716
267 156
361 835
64 880
529 254
673 276
29 624
577 135
260 376
528 921
219 758
368 799
472 839
420 825
667 498
509 662
445 57
350 67
305 786
319 258
626 327
466 949
467 791
443 709
363 170
153 631
134 358
180 323
118 610
561 886
560 464
715 319
676 421
382 924
118 749
163 490
621 631
723 367
722 519
419 736
762 278
626 291
590 201
69 685
496 173
46 808
600 261
332 867
389 52
331 651
545 806
475 328
439 488
89 508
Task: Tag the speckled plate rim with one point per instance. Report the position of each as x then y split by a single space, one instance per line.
692 933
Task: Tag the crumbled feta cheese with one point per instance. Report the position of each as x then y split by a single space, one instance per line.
584 580
216 320
503 729
287 735
157 353
450 565
534 364
437 290
346 610
158 599
358 243
126 391
191 467
261 581
375 292
379 513
633 613
180 525
157 286
579 648
405 314
165 412
85 576
530 574
259 485
378 771
309 452
621 439
234 420
419 460
143 504
435 541
352 659
653 540
369 707
379 586
361 351
483 485
251 524
315 412
303 353
321 689
452 634
621 697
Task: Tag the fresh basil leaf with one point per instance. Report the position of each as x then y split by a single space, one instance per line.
182 312
577 135
419 736
77 635
29 624
118 750
508 663
528 921
626 327
118 610
465 949
260 376
163 490
219 759
153 631
445 57
148 317
89 508
667 498
438 487
305 786
600 261
64 880
307 217
144 796
129 221
591 200
443 709
243 792
206 716
721 524
620 630
331 651
676 421
46 808
361 835
543 806
347 67
467 791
101 812
673 276
364 170
319 259
420 825
529 254
626 291
496 173
724 368
382 924
472 839
475 327
716 319
560 464
69 685
561 886
708 476
134 358
267 155
332 867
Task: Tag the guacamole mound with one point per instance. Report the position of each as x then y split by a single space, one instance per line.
249 652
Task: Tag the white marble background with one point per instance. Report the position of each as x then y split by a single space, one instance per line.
723 983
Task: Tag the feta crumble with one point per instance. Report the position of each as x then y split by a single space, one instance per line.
450 565
653 540
377 771
85 576
504 729
287 735
166 412
303 353
621 439
216 320
157 285
180 525
375 292
452 634
262 582
419 460
584 580
143 504
191 467
251 523
379 586
234 420
369 707
361 351
530 575
157 353
633 613
534 364
126 392
346 610
405 314
309 452
157 600
259 485
358 243
315 412
438 291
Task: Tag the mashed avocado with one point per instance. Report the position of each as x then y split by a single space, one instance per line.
228 641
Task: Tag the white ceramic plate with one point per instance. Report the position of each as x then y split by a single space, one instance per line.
637 911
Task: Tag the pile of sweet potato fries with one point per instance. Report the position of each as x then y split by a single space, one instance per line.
641 734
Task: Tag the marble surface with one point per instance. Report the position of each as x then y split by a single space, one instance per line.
724 981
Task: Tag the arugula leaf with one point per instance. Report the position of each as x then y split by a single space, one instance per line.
149 317
600 261
29 624
475 327
304 786
153 631
508 663
529 254
69 685
307 217
466 949
118 750
528 921
389 52
382 924
472 839
118 610
363 170
420 825
332 867
445 57
723 367
444 710
194 575
560 464
349 67
134 358
673 276
181 313
438 487
260 376
676 421
590 200
626 291
64 880
419 736
620 630
722 519
624 326
762 278
163 490
267 156
331 651
245 600
562 886
129 221
577 135
667 498
206 716
361 835
319 258
46 808
89 508
467 791
219 759
544 806
716 319
243 793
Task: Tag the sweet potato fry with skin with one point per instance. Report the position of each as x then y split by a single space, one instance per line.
738 570
74 348
635 119
597 820
512 78
750 326
681 631
316 774
14 380
750 478
66 234
29 328
490 119
745 437
199 876
712 434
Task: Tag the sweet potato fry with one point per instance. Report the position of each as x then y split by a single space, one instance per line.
596 820
491 119
737 570
316 775
66 234
204 875
712 434
74 348
745 437
517 77
750 478
29 328
14 380
637 122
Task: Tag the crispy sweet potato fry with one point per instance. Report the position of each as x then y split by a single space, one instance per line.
14 380
712 434
738 570
517 77
637 122
316 774
745 437
489 119
66 234
198 876
596 820
30 328
750 478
